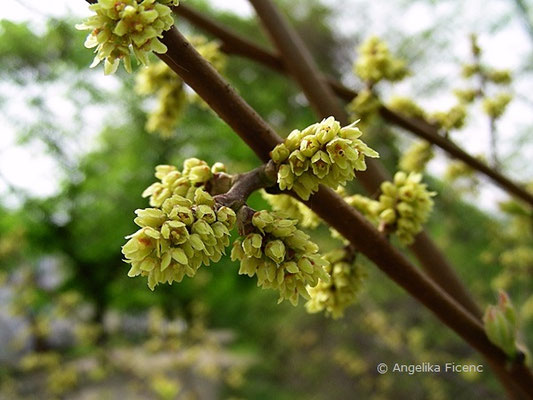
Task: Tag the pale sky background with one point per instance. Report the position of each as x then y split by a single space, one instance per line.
30 169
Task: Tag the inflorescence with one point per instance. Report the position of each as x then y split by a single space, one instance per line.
280 255
404 206
184 229
172 98
119 28
322 153
343 287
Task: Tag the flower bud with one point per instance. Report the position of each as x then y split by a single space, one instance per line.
280 153
218 167
200 174
275 249
499 330
117 29
152 217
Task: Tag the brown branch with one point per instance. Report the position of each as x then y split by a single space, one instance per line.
234 44
245 184
205 80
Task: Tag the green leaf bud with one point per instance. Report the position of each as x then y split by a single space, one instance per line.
499 330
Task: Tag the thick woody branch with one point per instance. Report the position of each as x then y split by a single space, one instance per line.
245 184
235 44
199 74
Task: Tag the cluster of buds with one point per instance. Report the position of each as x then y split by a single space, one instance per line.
501 326
407 107
404 206
322 153
293 208
495 106
466 96
176 238
195 174
364 106
159 79
375 63
343 287
416 157
451 119
120 27
281 255
171 97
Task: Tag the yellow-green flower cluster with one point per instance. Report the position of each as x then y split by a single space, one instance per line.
375 62
466 96
416 157
293 208
323 153
495 106
281 255
454 118
499 76
363 204
364 106
176 238
119 27
342 289
407 107
172 99
196 173
404 206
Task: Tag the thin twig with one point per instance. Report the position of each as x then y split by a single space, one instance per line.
245 184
